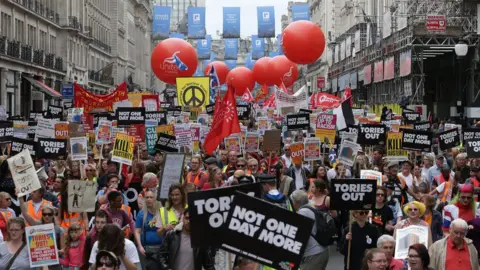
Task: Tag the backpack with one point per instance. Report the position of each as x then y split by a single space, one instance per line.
326 230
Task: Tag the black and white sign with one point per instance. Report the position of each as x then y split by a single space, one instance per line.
97 117
305 111
32 127
422 126
209 209
35 115
410 117
18 145
416 140
6 131
471 134
130 116
165 105
353 194
166 143
473 148
372 134
160 117
243 112
51 148
448 139
174 112
55 111
210 109
263 232
298 121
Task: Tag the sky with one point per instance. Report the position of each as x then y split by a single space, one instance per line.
248 14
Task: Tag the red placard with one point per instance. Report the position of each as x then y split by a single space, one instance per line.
320 82
436 23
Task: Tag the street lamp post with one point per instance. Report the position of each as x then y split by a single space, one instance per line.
461 50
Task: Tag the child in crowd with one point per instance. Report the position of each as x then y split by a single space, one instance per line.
74 247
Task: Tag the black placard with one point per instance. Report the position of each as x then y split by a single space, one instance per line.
209 211
17 145
35 115
416 140
473 148
353 194
165 105
263 232
410 117
32 127
305 111
422 126
166 143
55 111
174 112
130 116
298 121
448 139
471 134
107 116
6 131
67 105
210 109
372 134
160 117
51 148
243 112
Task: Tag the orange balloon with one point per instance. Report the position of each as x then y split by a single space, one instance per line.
240 78
303 42
221 68
173 58
283 70
260 71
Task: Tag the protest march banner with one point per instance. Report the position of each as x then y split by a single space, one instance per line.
20 129
297 152
394 147
51 148
123 149
209 209
151 138
408 236
373 175
130 116
425 126
42 245
312 149
88 101
473 148
45 128
291 103
172 171
416 140
6 131
325 128
252 142
193 91
61 130
17 145
233 143
260 231
104 133
410 117
166 143
23 173
353 194
348 152
79 148
448 139
298 121
81 196
471 134
372 134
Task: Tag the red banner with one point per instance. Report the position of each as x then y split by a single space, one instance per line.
88 101
320 82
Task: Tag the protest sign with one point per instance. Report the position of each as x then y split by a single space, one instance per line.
98 117
195 130
298 121
202 119
55 111
42 245
174 112
291 103
20 129
34 116
23 173
410 117
123 149
6 131
408 236
209 210
210 109
262 123
17 145
130 116
171 173
32 127
348 152
104 133
372 134
51 148
160 117
473 148
79 148
183 135
137 131
151 138
416 140
75 115
312 149
394 147
258 230
166 143
150 103
233 143
81 196
325 128
373 175
353 194
166 129
252 142
272 140
448 139
45 128
297 152
425 126
471 134
243 112
61 130
165 105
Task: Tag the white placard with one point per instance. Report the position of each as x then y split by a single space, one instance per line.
409 236
45 128
23 173
79 148
371 174
171 173
81 196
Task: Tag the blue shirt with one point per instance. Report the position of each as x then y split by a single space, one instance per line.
149 235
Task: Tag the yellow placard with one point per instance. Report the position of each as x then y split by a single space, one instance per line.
394 144
193 91
328 133
166 129
123 149
136 98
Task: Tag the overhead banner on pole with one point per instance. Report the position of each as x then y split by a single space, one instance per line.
231 48
203 48
258 47
300 12
266 22
231 22
161 22
196 22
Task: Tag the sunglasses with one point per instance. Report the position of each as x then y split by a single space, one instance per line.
241 165
412 210
466 198
380 195
89 170
47 214
362 213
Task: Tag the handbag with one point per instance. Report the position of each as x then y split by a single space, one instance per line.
12 260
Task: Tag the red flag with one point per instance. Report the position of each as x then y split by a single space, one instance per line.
270 102
347 95
313 101
262 93
247 96
225 122
327 101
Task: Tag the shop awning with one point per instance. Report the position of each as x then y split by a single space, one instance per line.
43 87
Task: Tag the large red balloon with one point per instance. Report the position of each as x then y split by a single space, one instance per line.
221 68
303 42
173 58
260 71
283 70
240 78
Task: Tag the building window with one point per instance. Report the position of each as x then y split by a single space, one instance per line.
53 44
6 25
32 36
43 41
19 30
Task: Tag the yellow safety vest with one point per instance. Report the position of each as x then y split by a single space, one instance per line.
168 216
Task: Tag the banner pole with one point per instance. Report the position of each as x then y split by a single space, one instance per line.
101 156
349 241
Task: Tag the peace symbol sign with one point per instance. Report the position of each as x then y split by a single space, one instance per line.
196 97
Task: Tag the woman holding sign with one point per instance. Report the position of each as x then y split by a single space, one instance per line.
14 253
415 210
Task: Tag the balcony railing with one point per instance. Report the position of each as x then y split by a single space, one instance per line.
88 31
50 60
38 57
102 45
97 77
13 48
26 54
41 9
59 64
74 23
3 45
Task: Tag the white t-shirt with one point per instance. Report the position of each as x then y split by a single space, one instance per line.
409 182
130 252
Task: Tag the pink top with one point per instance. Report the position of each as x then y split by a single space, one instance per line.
396 264
75 254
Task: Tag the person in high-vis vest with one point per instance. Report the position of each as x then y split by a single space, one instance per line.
5 211
171 214
446 183
66 216
196 175
35 204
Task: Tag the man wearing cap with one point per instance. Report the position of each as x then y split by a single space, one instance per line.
406 175
211 163
271 193
436 169
446 183
393 203
462 206
401 189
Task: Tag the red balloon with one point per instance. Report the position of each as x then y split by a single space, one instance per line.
173 58
282 69
221 68
261 72
240 78
303 42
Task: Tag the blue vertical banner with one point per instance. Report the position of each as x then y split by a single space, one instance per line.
266 22
231 48
196 22
279 44
231 64
249 62
231 22
258 47
177 35
203 47
198 72
300 12
161 22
